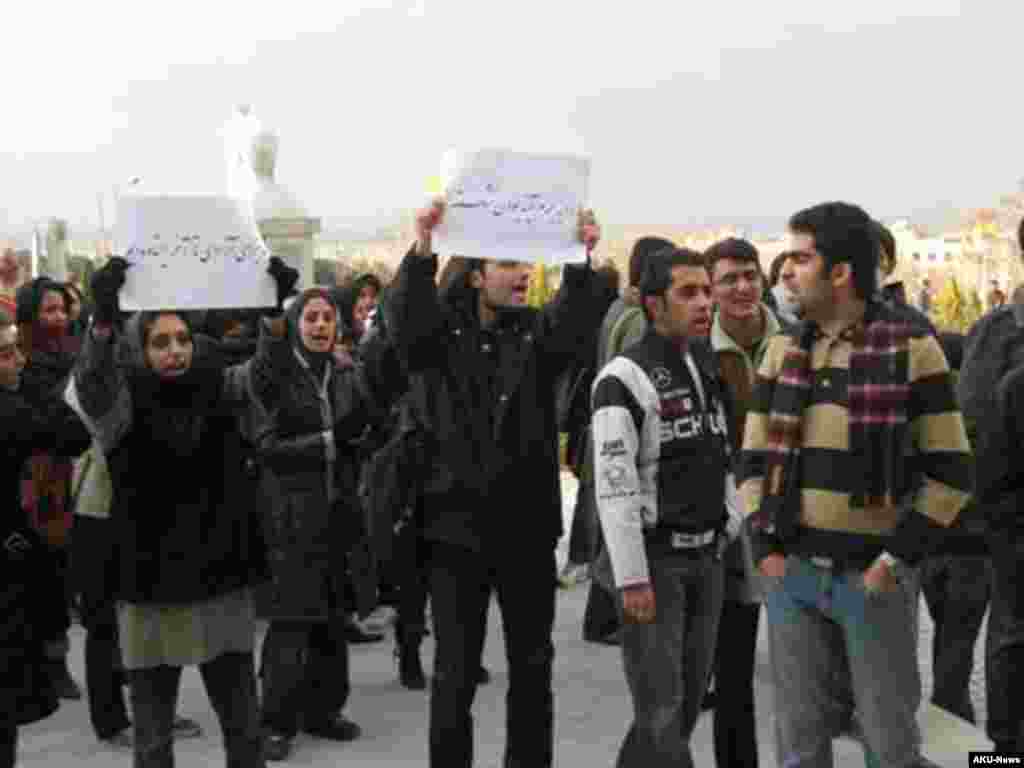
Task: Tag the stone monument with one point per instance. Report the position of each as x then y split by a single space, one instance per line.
286 227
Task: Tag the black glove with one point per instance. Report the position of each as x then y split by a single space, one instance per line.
105 285
285 277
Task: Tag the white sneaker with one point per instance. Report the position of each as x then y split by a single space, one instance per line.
573 574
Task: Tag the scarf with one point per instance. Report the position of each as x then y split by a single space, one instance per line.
877 394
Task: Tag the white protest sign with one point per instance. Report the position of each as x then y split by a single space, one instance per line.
191 252
512 206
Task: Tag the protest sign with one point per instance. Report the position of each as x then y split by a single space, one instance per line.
512 206
191 252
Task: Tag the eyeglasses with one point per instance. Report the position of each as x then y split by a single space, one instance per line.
732 279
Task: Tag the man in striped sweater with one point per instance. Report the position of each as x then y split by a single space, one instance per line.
855 461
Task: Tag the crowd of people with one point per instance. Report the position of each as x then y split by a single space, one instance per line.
803 441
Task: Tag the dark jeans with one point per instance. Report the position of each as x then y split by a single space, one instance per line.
412 576
668 662
8 746
305 674
735 732
95 565
1004 646
956 590
461 583
231 686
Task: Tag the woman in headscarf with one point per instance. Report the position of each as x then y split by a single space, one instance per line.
171 419
50 350
307 448
27 426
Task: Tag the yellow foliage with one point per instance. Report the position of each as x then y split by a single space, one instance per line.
954 311
540 291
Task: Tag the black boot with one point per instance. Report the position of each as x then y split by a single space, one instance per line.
410 668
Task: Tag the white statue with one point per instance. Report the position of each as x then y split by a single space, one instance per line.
251 153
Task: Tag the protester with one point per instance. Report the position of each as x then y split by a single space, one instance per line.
78 311
574 421
50 349
623 325
482 370
311 474
168 414
999 490
994 348
742 327
661 457
94 569
956 589
785 307
27 426
839 511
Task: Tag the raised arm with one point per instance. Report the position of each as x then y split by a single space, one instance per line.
98 380
571 317
412 311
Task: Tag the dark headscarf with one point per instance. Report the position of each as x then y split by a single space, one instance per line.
36 338
315 360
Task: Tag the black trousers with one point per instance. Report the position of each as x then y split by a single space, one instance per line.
735 732
305 671
957 591
412 576
461 584
1004 645
8 746
230 682
95 567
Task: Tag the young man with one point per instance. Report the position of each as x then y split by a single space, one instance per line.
740 332
854 462
994 347
482 368
660 462
623 326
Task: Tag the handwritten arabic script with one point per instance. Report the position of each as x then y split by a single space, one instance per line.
236 248
513 206
192 253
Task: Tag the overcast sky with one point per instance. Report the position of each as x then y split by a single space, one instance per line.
735 110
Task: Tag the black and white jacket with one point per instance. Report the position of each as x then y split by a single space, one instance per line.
661 449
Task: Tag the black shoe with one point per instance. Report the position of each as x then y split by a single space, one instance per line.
483 676
612 638
338 728
410 668
276 747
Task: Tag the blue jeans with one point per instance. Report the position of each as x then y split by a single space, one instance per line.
823 624
668 662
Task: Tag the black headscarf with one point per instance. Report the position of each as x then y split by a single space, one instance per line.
316 361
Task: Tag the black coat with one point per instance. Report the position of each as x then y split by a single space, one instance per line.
313 525
486 399
29 589
186 527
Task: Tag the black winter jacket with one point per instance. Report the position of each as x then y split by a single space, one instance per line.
29 589
486 400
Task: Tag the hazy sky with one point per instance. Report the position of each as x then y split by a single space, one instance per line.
690 111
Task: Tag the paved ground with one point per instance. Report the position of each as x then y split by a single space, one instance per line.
592 707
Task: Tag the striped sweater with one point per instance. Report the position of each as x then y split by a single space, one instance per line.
936 459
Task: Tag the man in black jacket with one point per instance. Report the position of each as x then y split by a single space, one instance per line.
482 368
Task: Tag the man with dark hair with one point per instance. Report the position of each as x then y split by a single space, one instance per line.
742 326
994 347
847 492
661 459
482 367
623 326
